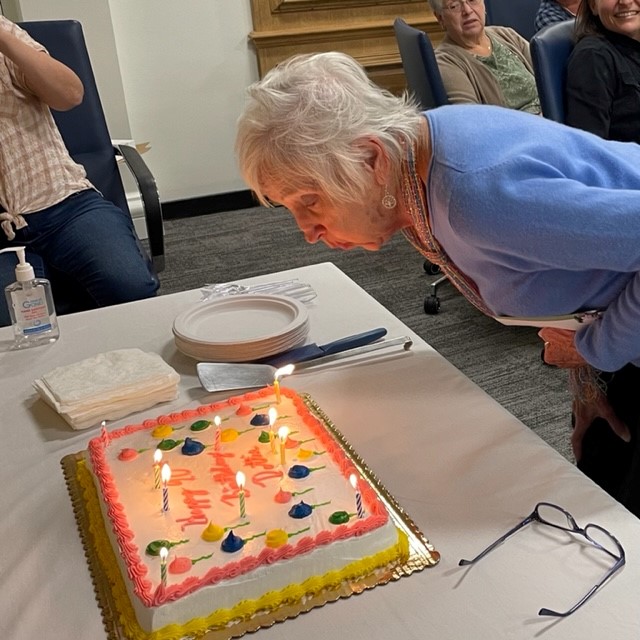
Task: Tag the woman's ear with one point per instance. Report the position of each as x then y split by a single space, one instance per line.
376 158
593 6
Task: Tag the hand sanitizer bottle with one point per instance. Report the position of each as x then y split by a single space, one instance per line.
30 303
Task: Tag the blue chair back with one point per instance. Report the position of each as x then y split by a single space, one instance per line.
420 65
517 14
550 51
83 128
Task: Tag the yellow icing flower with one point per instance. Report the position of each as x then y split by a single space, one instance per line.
304 454
212 533
162 431
276 538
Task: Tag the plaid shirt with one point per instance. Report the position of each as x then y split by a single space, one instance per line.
549 12
36 170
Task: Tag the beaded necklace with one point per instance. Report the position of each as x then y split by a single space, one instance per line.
421 237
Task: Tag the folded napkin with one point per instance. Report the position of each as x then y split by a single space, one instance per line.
108 386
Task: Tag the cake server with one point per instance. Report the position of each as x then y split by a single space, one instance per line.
227 376
313 351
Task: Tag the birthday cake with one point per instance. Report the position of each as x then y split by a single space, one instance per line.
195 545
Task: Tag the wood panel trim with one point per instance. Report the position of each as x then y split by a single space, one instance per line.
281 6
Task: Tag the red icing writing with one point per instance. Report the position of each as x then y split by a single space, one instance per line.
196 500
254 459
178 476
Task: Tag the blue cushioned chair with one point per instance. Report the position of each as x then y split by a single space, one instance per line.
84 131
425 83
420 66
550 51
517 14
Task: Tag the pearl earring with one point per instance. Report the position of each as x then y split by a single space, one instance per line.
388 199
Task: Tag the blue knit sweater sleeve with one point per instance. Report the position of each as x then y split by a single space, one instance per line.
544 218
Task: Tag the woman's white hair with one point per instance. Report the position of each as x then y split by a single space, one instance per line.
436 6
302 123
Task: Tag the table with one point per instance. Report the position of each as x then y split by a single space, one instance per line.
463 467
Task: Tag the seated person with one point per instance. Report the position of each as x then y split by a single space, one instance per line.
552 11
483 65
72 234
603 74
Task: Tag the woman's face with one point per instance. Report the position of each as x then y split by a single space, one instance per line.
462 19
620 16
364 224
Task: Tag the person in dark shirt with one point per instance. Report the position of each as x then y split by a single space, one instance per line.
552 11
603 75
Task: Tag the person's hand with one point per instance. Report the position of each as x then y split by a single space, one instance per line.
560 349
586 411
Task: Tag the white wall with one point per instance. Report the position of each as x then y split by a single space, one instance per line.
172 74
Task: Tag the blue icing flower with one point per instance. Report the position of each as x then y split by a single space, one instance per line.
298 471
192 447
300 510
232 543
259 420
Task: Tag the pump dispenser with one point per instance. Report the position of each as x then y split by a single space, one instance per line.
30 303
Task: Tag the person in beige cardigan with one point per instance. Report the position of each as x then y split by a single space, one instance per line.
483 65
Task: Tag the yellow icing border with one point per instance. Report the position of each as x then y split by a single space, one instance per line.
220 618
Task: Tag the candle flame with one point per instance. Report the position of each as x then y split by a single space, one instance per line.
217 421
353 480
273 414
283 432
283 371
164 552
240 479
165 473
157 456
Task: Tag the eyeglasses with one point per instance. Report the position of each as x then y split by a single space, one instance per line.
557 517
456 5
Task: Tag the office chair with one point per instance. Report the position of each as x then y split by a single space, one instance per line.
84 131
550 51
517 14
425 83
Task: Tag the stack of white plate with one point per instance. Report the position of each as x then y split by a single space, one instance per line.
241 328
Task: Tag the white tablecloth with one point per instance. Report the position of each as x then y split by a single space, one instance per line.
462 466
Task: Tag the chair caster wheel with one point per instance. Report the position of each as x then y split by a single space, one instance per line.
430 268
431 305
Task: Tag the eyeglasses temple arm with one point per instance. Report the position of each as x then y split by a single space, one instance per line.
550 612
499 541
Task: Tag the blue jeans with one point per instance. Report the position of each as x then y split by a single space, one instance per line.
88 248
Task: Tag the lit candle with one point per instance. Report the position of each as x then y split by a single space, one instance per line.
104 434
354 483
273 414
166 476
157 458
283 371
164 552
240 479
216 444
283 432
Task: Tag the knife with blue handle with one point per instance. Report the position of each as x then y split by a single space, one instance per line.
313 351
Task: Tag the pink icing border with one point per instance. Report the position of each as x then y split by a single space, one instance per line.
136 569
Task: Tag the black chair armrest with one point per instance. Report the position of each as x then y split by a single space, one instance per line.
150 201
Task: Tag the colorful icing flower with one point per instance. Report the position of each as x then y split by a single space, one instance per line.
229 435
200 425
214 532
127 454
302 509
182 564
279 537
153 548
340 517
305 454
192 447
264 437
283 497
292 444
259 420
233 543
162 431
298 471
243 410
167 444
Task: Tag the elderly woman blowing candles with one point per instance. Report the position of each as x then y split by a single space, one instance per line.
527 217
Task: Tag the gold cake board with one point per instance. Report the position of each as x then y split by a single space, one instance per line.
421 552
